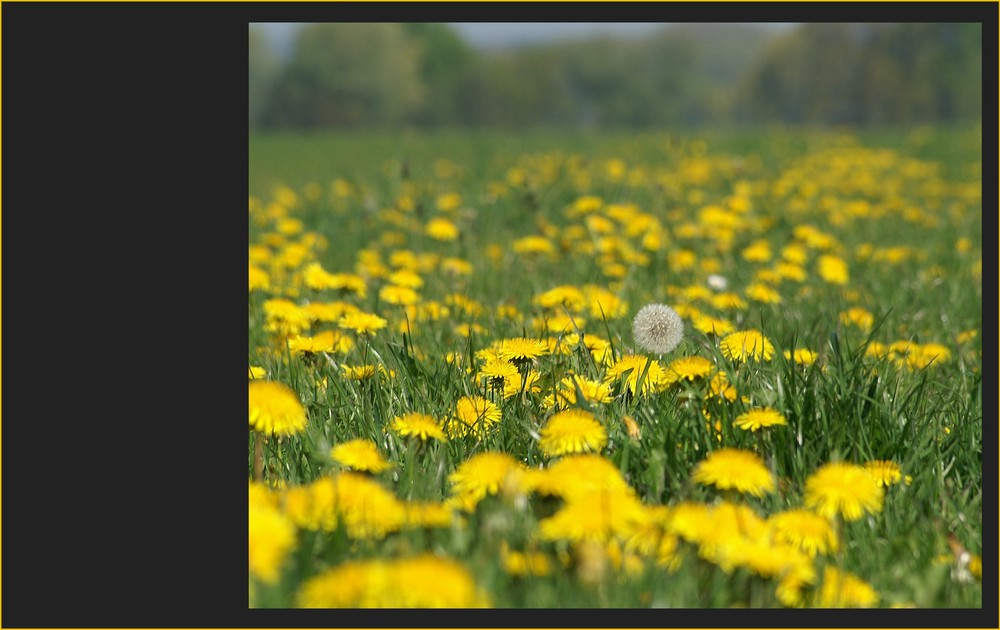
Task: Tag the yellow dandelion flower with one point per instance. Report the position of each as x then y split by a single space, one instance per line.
767 558
466 330
481 475
727 530
747 345
427 514
730 468
499 375
474 415
599 347
289 226
317 278
630 368
449 201
328 311
585 205
395 294
758 251
755 419
806 530
833 269
813 237
361 455
564 295
841 589
682 259
441 229
406 278
522 349
859 317
594 392
580 474
368 510
790 271
429 310
285 317
720 386
687 519
259 279
843 489
429 581
559 323
362 372
795 253
689 369
966 336
419 425
921 356
976 567
272 538
362 323
312 507
877 350
802 356
647 537
603 304
275 409
760 292
527 382
696 292
885 472
340 587
524 563
533 245
598 515
572 431
257 372
728 301
711 325
456 266
424 581
326 341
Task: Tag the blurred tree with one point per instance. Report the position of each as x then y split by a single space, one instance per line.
348 74
922 73
446 64
517 89
264 67
867 74
721 54
366 74
812 75
670 89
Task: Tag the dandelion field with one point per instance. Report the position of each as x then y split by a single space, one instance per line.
453 403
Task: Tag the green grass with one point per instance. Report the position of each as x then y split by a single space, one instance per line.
895 207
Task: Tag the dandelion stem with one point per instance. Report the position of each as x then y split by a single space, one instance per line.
258 458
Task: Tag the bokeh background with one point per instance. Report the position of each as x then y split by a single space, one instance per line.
612 76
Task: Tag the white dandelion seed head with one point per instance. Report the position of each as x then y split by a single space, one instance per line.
657 328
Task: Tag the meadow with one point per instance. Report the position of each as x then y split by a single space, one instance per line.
453 403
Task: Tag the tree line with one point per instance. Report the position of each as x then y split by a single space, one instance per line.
389 74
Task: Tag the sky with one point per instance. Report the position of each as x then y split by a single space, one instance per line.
499 34
491 35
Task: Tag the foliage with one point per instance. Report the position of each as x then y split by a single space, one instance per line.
868 74
558 241
423 75
347 74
